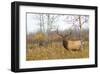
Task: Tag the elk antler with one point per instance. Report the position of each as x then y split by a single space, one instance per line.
68 33
59 33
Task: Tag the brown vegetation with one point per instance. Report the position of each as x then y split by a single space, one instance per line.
39 48
47 42
57 51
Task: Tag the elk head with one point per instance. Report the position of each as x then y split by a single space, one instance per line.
64 37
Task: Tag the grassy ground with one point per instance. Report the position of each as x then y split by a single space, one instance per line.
54 51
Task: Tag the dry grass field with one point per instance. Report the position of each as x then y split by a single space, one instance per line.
57 36
54 51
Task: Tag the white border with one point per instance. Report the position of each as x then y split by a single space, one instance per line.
51 63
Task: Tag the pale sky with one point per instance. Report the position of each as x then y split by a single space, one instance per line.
33 23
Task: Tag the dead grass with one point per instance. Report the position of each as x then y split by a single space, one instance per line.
54 51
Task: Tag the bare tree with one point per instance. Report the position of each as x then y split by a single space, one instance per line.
40 35
78 21
41 21
81 23
51 19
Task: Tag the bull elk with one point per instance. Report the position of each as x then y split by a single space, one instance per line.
69 44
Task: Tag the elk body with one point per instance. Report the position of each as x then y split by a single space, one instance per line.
70 44
74 45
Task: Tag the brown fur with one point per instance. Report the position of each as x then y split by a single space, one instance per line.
72 45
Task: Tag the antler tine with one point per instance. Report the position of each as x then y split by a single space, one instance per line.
59 33
68 33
